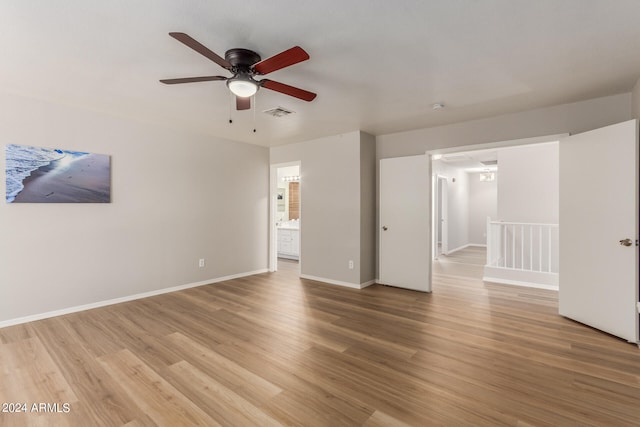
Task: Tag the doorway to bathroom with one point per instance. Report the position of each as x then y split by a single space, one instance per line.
285 217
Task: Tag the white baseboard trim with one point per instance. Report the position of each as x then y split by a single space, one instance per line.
34 317
450 251
519 283
464 247
532 279
366 284
338 282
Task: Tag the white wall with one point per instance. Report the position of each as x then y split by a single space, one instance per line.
458 210
469 202
483 203
331 217
176 197
568 118
457 204
528 189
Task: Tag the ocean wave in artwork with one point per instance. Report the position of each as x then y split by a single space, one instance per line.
22 160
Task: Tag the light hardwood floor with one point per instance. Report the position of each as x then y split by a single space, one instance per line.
272 349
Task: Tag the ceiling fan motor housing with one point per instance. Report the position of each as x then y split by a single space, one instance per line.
241 59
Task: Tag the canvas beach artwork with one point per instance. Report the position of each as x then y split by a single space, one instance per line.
52 175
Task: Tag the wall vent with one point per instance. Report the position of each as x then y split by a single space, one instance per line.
490 162
451 158
278 112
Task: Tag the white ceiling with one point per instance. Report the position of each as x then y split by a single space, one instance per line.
471 161
376 65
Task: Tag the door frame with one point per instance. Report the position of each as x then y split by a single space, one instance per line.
474 147
439 205
273 205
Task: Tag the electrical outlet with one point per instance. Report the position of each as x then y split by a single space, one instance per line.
201 263
350 264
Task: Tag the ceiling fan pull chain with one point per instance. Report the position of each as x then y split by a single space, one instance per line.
231 99
254 113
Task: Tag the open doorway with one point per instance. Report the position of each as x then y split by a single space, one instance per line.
512 223
462 199
285 217
460 210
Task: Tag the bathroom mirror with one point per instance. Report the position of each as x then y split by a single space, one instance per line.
281 196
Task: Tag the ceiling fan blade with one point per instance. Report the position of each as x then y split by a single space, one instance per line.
201 49
283 59
288 90
192 80
243 103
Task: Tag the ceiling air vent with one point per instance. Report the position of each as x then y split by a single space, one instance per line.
278 112
451 158
490 162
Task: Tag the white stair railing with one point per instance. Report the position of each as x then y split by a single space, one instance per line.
527 247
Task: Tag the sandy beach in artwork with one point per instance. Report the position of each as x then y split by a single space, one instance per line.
82 180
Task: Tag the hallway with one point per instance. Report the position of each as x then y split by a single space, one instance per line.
459 275
468 262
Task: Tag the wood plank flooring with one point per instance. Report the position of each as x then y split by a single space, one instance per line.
272 349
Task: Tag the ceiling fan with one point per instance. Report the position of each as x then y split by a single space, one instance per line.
245 64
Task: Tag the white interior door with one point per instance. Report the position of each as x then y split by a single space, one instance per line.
404 223
598 281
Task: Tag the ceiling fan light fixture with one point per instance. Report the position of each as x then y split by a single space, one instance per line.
245 64
242 86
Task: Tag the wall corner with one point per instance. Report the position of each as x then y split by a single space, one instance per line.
635 100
